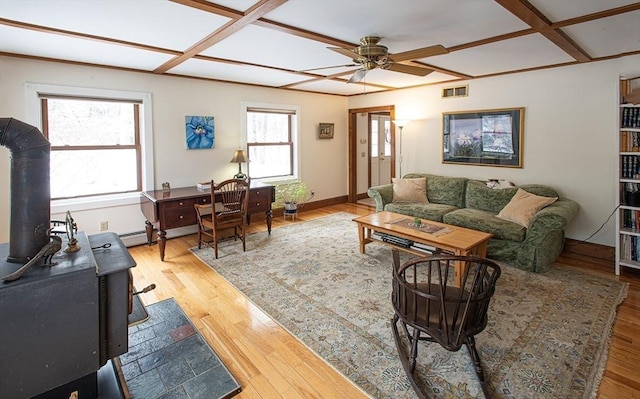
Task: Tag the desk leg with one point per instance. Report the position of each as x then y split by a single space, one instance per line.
162 242
148 227
269 216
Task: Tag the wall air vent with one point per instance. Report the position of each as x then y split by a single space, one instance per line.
457 91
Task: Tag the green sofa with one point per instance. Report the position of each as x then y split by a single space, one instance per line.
470 203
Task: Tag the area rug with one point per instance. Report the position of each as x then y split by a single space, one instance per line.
168 358
548 334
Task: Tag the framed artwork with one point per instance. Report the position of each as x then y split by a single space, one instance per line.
326 131
200 132
487 138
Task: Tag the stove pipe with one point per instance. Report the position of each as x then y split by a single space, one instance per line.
30 188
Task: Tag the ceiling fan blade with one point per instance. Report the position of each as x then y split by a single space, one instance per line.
329 67
358 76
410 69
419 53
346 52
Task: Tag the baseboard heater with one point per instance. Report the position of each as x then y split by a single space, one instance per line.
134 238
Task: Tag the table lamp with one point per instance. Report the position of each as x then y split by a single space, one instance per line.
239 157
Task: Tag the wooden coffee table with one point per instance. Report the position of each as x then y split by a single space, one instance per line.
457 240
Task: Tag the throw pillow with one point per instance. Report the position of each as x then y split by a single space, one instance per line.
523 207
410 190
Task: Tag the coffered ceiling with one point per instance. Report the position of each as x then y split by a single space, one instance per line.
287 44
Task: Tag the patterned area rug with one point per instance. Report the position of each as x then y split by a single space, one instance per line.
548 334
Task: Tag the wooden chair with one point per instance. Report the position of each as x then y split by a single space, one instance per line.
426 301
228 210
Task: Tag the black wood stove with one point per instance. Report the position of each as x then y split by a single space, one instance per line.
59 325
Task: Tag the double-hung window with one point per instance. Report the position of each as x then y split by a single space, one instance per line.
95 145
101 143
271 139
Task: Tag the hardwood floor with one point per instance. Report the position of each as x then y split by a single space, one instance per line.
270 363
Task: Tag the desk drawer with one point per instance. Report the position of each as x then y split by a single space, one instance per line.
259 201
179 217
203 200
183 203
177 213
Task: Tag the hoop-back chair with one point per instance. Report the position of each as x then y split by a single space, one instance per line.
228 210
427 302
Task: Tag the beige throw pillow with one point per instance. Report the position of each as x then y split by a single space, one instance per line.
524 206
410 190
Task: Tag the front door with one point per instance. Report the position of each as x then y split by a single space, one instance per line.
380 139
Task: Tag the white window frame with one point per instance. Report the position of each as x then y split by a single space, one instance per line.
245 106
33 113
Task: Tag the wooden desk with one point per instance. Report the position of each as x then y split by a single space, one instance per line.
175 208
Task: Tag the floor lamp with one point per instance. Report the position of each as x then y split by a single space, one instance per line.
400 123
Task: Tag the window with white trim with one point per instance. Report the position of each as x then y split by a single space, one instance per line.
113 129
271 142
95 145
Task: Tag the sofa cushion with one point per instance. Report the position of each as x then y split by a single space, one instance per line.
446 190
488 222
539 189
443 189
428 211
479 196
523 207
410 190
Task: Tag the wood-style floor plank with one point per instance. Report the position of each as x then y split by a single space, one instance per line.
270 363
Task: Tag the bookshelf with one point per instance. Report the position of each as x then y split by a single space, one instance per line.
628 197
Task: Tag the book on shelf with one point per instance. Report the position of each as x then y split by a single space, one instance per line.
630 117
630 248
629 141
631 219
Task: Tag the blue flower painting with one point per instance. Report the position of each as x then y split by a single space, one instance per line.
200 132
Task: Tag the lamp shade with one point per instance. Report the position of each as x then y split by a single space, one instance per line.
400 122
239 157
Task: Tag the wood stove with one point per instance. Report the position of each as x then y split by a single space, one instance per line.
59 325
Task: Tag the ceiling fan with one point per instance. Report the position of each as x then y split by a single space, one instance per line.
371 55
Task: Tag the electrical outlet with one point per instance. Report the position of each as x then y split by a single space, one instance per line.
104 226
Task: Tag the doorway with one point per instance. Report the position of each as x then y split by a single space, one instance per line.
360 148
379 149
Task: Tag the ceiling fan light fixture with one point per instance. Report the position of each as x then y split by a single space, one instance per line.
371 55
369 65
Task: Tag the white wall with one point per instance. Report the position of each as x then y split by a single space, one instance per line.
323 165
569 137
570 133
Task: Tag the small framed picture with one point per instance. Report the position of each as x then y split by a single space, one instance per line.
200 132
326 131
